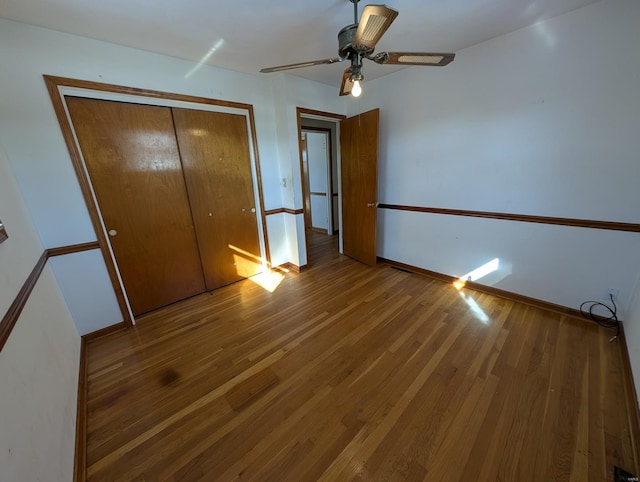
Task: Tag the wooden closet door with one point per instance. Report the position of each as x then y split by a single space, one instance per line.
132 158
214 148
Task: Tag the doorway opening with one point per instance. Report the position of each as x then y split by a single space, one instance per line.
318 138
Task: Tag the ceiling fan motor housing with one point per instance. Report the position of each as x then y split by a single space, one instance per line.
346 36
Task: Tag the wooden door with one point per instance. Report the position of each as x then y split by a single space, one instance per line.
214 147
305 181
359 153
132 159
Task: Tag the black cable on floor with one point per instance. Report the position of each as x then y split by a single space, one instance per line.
610 322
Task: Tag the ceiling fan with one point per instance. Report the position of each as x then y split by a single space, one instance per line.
358 41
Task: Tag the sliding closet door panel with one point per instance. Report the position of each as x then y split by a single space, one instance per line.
214 148
132 158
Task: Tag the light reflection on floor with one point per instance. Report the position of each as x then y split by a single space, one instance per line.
475 275
475 308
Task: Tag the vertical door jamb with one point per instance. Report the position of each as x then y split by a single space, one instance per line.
328 117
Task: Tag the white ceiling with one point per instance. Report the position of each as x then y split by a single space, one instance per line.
246 35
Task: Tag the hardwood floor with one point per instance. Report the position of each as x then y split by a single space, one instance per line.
347 372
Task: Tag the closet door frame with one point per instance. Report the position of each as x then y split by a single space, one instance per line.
59 87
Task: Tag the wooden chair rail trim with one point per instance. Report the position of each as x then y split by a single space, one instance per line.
10 318
563 310
527 218
74 248
283 210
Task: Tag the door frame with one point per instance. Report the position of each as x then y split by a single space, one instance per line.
329 174
58 87
301 113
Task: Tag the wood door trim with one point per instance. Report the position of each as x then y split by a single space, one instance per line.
263 217
53 84
10 318
580 223
154 94
302 110
303 181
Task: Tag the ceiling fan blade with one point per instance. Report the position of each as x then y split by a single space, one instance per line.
347 85
301 64
374 22
413 58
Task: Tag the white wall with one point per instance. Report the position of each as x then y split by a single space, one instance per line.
33 141
298 92
39 362
543 121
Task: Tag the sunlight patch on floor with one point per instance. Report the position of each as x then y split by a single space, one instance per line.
269 280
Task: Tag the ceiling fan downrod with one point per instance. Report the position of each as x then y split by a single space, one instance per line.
355 10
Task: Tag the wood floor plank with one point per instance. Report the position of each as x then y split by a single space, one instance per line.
350 372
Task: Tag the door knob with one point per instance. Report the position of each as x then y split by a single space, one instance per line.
112 232
253 210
